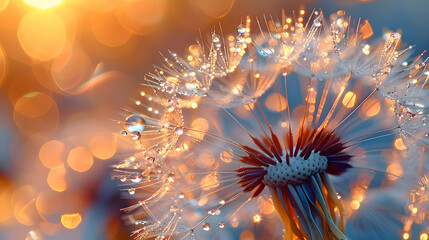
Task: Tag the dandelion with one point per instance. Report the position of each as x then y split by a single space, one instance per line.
305 123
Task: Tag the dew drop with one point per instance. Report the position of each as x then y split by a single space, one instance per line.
415 105
241 28
135 135
221 225
179 131
181 196
240 39
206 227
124 133
131 191
136 177
135 123
317 22
215 38
123 179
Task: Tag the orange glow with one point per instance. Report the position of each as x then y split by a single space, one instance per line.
266 206
355 204
48 202
71 221
107 29
141 16
3 4
80 159
210 181
50 154
71 69
201 125
36 112
5 198
226 156
42 35
257 218
56 179
103 145
3 65
424 236
246 235
34 104
349 99
370 108
395 169
275 102
399 144
43 4
216 9
406 235
23 205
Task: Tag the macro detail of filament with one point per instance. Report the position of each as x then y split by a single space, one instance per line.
306 116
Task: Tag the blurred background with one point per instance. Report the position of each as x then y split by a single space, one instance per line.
68 66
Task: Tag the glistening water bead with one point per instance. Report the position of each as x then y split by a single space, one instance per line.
135 123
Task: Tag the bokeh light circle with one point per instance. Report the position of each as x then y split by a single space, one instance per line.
42 35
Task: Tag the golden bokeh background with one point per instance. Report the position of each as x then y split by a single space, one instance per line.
66 69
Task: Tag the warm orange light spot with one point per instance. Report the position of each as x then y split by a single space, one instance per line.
3 65
349 99
226 156
396 170
103 145
370 108
34 104
50 154
80 159
71 221
266 206
56 179
246 235
209 181
22 201
355 204
5 197
399 144
107 29
216 9
275 102
141 16
424 236
42 34
43 4
365 30
206 158
71 70
406 236
201 126
257 218
414 210
48 202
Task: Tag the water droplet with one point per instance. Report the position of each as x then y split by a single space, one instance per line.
135 135
206 227
131 191
240 39
124 133
136 177
221 225
215 38
135 123
179 131
191 86
123 179
414 105
318 22
181 196
241 28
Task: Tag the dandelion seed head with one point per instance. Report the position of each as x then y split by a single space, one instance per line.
227 134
